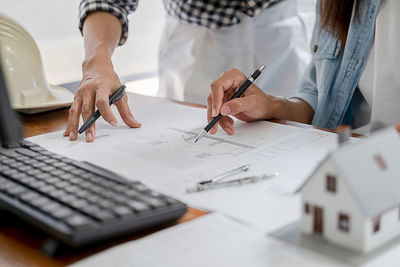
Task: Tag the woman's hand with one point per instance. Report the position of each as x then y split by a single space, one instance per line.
253 105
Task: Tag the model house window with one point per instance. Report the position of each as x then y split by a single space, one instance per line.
344 222
306 208
376 223
331 183
380 161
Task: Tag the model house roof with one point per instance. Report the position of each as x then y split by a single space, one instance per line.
371 169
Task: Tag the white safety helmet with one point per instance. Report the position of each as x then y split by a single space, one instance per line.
22 65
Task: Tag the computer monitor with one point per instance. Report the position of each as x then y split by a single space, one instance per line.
10 127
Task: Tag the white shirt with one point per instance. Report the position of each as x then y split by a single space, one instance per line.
191 57
380 80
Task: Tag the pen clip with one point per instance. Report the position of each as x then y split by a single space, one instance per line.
117 95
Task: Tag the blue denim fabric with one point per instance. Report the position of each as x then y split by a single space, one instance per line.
333 75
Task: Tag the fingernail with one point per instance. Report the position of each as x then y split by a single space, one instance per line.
213 112
225 110
135 121
88 137
114 123
228 130
71 135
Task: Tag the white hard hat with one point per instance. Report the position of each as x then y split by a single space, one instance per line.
23 70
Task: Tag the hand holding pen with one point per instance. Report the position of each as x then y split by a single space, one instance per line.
253 105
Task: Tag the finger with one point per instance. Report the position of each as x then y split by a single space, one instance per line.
102 103
238 105
227 124
87 111
398 127
229 81
91 133
73 118
125 112
214 129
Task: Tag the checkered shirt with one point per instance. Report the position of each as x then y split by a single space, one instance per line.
212 14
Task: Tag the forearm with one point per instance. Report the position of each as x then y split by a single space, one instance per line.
292 109
101 33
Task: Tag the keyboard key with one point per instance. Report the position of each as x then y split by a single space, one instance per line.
57 194
16 164
29 197
94 198
41 201
37 148
153 202
62 213
29 144
26 152
46 153
15 190
122 211
83 193
68 168
26 169
78 204
58 164
57 172
38 165
10 172
137 206
106 204
46 188
56 156
104 216
43 176
52 207
78 222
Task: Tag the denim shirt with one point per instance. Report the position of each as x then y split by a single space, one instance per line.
332 77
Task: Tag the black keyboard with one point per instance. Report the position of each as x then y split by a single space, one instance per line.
77 203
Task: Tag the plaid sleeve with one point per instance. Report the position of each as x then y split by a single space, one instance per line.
253 7
118 8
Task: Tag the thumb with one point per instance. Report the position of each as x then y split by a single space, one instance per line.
238 105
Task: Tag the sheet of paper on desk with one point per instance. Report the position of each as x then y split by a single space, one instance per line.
159 155
212 240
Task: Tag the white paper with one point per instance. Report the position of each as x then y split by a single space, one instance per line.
159 155
212 240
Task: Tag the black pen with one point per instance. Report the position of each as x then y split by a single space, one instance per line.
238 93
117 95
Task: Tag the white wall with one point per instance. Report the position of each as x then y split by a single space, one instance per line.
389 229
315 193
54 26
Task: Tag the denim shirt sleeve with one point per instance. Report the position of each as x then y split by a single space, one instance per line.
320 73
308 91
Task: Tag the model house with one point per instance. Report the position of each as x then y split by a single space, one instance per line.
353 197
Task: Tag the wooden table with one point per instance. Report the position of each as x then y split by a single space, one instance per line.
20 244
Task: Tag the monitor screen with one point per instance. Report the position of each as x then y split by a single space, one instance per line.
10 127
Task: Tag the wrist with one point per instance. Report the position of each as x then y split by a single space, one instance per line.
274 105
100 57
